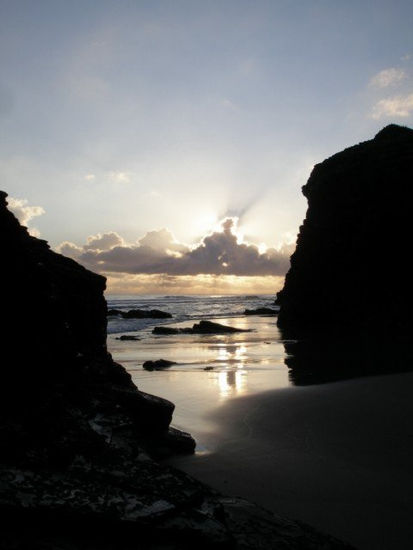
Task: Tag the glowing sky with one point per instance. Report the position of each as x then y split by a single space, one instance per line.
128 123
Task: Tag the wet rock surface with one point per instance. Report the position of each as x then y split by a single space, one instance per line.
261 311
157 365
203 327
77 468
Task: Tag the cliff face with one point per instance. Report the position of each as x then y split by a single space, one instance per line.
351 266
54 309
57 376
77 435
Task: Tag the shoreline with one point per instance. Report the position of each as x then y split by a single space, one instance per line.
337 456
237 364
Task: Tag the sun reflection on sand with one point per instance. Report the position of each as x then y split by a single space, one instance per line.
232 382
231 353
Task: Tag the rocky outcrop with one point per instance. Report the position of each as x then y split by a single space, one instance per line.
62 373
261 311
203 327
77 435
158 365
350 268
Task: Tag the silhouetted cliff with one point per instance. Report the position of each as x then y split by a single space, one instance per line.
77 435
351 267
54 345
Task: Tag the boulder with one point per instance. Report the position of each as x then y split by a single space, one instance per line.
157 365
113 312
261 311
203 327
208 327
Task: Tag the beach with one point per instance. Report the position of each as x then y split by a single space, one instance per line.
210 369
337 455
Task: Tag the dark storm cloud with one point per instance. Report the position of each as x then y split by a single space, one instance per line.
158 252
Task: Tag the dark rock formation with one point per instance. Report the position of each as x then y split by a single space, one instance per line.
350 268
145 314
76 433
261 311
203 327
63 373
113 312
159 364
208 327
348 296
128 338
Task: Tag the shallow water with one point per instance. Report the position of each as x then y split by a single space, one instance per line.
237 365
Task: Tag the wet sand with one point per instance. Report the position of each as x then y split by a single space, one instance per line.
338 456
238 364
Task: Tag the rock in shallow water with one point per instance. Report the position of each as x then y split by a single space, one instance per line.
203 327
159 364
261 311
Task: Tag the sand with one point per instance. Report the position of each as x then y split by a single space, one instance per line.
338 456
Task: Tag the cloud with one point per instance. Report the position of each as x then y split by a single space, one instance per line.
388 77
25 213
219 253
198 284
397 106
95 243
70 249
119 177
103 242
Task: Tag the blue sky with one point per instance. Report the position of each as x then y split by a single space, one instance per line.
129 117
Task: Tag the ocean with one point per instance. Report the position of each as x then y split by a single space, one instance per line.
183 308
209 369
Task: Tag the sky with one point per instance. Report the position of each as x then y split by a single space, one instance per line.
165 143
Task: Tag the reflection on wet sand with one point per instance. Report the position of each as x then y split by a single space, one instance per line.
231 383
233 380
319 358
210 369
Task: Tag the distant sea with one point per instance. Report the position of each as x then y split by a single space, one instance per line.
183 308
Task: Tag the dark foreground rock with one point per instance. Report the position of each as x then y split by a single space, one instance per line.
348 296
143 506
76 434
261 311
203 327
159 364
359 213
145 314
